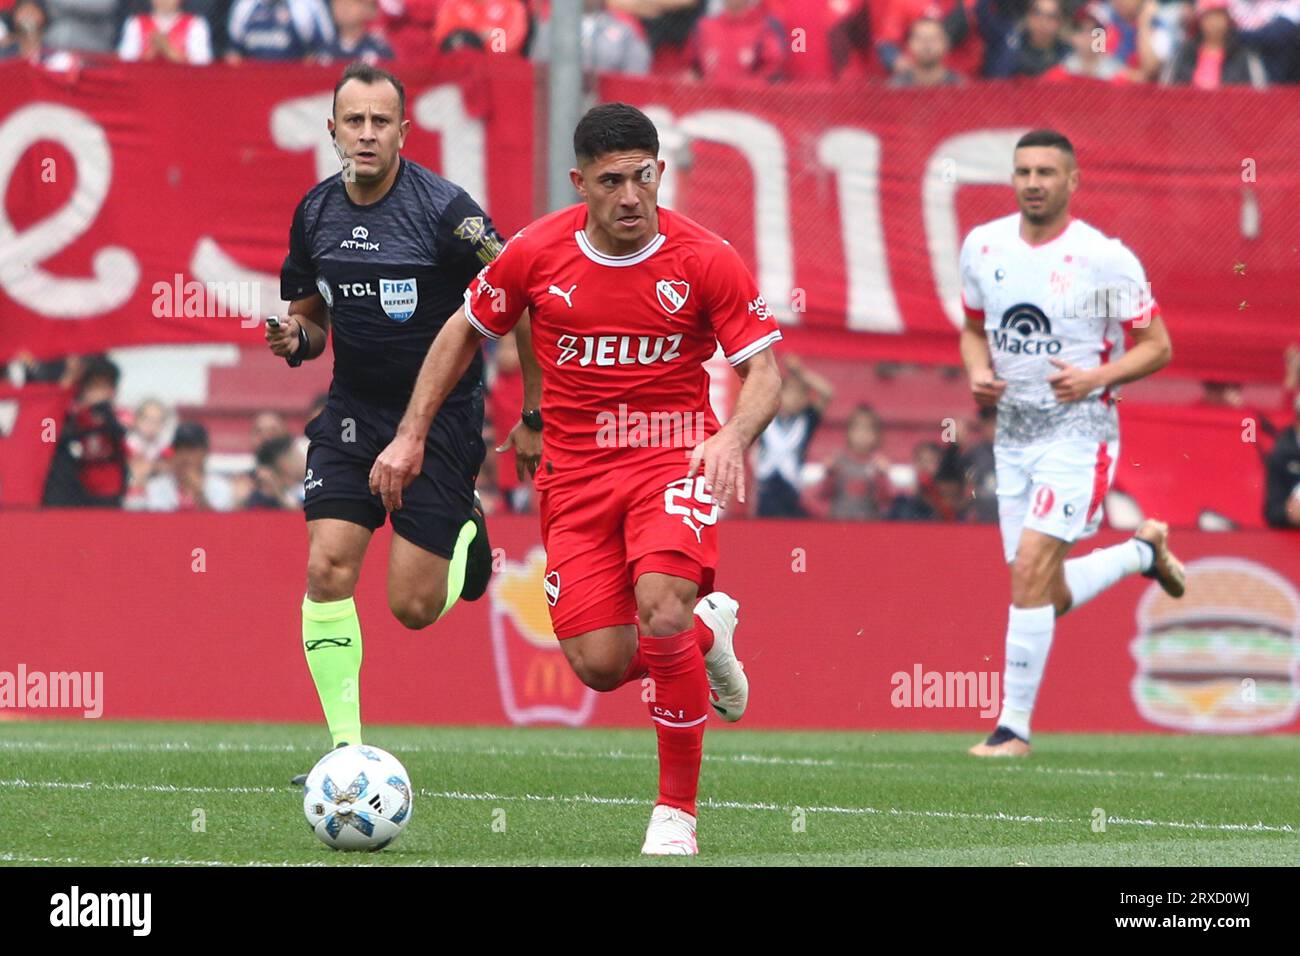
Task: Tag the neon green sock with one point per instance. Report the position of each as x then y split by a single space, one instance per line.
331 639
456 570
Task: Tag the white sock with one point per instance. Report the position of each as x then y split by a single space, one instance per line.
1029 638
1088 576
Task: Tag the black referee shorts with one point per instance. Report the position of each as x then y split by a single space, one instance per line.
347 437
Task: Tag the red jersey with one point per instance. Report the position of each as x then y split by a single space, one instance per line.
622 340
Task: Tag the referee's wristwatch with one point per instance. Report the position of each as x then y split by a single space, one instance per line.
532 419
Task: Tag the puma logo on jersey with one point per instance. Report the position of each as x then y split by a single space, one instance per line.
609 350
566 296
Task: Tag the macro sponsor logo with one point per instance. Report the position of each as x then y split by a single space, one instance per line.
610 350
1029 323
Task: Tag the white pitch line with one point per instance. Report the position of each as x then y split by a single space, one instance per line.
741 758
52 746
590 799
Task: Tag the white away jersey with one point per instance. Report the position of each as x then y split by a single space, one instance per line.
1065 299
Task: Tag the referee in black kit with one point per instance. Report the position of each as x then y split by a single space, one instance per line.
383 258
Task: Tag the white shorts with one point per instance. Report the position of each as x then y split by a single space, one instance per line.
1053 487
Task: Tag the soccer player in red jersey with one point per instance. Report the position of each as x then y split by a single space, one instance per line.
627 301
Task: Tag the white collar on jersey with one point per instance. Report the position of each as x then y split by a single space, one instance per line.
631 259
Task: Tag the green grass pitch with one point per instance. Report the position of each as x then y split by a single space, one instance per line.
130 794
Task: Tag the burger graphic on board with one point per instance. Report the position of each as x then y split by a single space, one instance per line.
1225 658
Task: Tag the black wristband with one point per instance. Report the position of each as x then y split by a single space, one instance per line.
532 419
303 350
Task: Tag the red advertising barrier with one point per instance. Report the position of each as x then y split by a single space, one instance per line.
851 626
851 203
151 202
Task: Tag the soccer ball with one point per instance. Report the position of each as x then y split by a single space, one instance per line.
357 798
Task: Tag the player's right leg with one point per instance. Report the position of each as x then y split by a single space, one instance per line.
331 630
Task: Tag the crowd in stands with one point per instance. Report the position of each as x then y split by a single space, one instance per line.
909 43
147 459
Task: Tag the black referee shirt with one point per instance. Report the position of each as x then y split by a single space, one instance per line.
391 274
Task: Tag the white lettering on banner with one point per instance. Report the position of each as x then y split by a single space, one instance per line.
763 147
441 109
854 156
980 158
117 271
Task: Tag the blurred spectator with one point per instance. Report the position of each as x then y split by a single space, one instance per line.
1033 47
506 397
167 34
926 60
26 368
1220 394
1282 478
743 40
500 25
965 47
857 480
609 43
783 446
1091 58
407 25
835 42
89 465
354 35
668 24
267 425
279 475
27 41
1271 28
915 505
976 462
278 30
1213 55
89 26
940 492
146 443
185 484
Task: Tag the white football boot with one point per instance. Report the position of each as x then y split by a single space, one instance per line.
671 833
728 684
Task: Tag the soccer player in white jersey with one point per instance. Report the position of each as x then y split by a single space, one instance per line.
1047 300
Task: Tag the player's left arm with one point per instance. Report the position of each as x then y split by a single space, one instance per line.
746 329
1151 351
526 442
1126 284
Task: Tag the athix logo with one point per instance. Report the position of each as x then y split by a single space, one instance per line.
1029 322
672 294
566 296
607 350
309 482
75 908
360 241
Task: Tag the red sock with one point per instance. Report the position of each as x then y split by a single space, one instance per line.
679 707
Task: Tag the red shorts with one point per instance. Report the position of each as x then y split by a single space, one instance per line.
604 532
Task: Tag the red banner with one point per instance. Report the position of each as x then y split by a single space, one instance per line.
148 203
151 202
851 203
852 626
